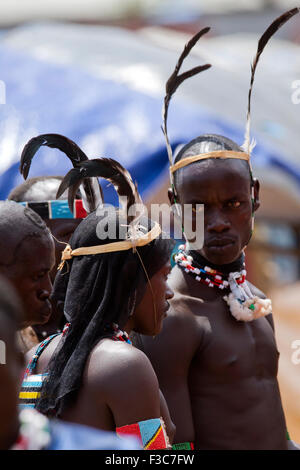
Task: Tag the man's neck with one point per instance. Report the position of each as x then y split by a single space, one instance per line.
236 265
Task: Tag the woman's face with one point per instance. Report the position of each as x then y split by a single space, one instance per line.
149 314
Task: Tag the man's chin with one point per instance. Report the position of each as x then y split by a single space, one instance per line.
42 316
220 255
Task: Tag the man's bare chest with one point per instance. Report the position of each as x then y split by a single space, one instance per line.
232 350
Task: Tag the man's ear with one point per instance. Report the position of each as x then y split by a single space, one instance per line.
256 202
172 198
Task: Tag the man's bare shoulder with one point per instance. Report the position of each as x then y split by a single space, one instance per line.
184 305
256 291
186 312
183 332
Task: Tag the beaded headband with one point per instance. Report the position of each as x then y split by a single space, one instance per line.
175 80
57 209
143 240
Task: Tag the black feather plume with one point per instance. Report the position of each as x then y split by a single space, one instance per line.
108 169
175 80
263 41
91 188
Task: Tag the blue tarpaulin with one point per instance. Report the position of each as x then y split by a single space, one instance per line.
105 117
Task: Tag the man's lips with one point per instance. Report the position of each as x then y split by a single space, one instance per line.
219 242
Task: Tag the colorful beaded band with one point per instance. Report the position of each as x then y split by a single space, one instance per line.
120 335
57 209
242 303
151 433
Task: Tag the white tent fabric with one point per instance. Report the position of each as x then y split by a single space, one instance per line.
14 11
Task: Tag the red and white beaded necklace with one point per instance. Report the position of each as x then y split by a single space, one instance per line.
242 303
120 335
206 275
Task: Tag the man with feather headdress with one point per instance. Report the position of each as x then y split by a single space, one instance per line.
216 358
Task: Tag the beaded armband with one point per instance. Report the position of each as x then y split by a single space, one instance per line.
183 446
150 433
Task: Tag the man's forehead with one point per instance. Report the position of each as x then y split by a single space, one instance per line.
211 175
32 246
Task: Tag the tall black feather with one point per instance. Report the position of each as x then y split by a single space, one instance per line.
263 41
108 169
175 80
92 189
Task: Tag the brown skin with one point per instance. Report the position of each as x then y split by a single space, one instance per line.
220 186
30 275
218 375
149 314
62 230
10 383
124 389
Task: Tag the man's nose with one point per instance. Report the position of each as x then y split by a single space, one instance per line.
43 294
45 288
218 223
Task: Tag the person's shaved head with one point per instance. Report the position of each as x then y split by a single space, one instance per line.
17 224
38 189
26 258
207 143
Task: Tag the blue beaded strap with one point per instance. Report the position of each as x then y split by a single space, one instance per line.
33 361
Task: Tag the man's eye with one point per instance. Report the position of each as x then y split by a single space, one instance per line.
38 276
234 204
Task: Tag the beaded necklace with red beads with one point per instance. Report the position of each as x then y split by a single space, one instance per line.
120 335
242 303
205 275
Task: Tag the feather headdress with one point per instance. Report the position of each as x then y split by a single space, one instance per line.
91 190
175 80
116 174
263 41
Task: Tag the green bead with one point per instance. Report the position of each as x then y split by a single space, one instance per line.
252 307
